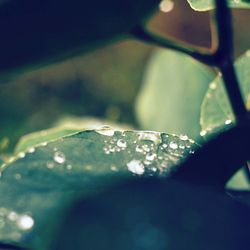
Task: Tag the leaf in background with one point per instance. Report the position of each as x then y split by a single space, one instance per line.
40 32
216 111
204 5
172 92
37 185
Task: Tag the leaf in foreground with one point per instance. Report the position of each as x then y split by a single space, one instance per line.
38 185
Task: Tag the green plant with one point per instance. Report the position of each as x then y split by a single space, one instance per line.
76 188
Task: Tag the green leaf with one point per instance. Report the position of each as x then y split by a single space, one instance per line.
155 214
216 111
38 185
172 92
204 5
40 32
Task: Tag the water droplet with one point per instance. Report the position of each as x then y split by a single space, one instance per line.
136 167
227 122
203 133
150 156
21 155
184 137
31 150
114 168
50 164
17 176
173 145
213 85
13 216
69 167
166 5
150 136
59 157
44 144
139 149
106 130
121 143
25 222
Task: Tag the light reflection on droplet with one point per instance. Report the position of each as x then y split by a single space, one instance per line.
31 150
69 167
21 155
184 137
59 157
136 167
213 85
17 176
25 222
203 133
173 145
227 122
106 131
121 143
13 216
150 136
150 156
50 164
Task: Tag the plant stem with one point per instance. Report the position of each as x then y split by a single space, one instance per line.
146 36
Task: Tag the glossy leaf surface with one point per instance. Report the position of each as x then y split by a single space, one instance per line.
38 185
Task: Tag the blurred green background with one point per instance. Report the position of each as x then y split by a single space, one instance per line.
103 83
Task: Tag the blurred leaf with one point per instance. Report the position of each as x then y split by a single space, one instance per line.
203 5
37 185
40 32
216 110
172 92
155 214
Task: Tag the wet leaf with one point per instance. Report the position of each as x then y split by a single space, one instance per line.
203 5
173 89
38 185
40 32
216 112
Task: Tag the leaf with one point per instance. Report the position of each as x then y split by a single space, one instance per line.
204 5
65 126
216 112
155 214
36 32
37 186
172 92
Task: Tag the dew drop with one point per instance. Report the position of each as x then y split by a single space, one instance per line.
150 136
136 167
184 137
227 122
59 157
106 131
17 176
173 145
25 222
150 156
121 143
69 167
13 216
139 149
50 164
113 168
31 150
213 85
21 155
203 133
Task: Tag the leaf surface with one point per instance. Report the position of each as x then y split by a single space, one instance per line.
38 185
